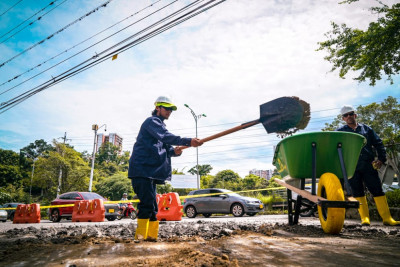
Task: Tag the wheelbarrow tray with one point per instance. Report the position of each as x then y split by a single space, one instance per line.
293 155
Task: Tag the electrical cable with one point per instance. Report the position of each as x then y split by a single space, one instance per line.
32 22
57 32
11 8
87 48
69 73
44 86
142 39
87 39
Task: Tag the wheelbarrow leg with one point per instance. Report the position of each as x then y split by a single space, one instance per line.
314 168
290 201
298 203
297 209
344 172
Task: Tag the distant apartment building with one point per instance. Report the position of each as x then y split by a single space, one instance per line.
112 138
266 174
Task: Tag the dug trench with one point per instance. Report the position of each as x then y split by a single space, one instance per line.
201 243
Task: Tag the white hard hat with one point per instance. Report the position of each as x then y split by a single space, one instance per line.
346 109
165 101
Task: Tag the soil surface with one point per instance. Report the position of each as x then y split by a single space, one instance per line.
201 243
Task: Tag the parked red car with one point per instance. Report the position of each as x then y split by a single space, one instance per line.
56 214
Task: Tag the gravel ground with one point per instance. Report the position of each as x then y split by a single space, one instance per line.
224 241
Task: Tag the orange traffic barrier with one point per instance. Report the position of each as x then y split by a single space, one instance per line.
169 207
89 211
27 213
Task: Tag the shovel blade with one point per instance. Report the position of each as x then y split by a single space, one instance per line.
281 114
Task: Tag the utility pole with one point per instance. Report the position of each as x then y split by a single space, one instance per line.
30 188
60 173
95 128
196 117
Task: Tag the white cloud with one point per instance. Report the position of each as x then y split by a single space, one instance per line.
224 63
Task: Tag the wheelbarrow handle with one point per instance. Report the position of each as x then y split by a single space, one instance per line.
226 132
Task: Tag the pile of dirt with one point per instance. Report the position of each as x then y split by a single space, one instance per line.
198 243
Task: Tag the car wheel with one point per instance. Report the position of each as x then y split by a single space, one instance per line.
251 213
207 215
191 211
111 218
237 210
119 216
133 215
12 217
55 216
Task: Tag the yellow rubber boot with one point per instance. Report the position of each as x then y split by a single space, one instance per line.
152 234
383 209
142 229
363 210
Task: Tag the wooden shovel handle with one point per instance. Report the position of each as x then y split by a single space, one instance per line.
229 131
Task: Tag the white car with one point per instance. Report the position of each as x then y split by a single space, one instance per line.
3 215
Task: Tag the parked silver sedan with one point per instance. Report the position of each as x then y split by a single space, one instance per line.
221 201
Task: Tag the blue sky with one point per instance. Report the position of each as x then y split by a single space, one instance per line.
224 62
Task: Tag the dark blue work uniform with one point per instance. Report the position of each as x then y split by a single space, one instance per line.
150 163
365 174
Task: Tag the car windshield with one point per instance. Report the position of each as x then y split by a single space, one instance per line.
229 192
90 196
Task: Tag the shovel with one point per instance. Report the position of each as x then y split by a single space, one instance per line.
284 115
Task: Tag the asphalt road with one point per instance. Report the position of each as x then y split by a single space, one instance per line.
218 240
283 219
258 219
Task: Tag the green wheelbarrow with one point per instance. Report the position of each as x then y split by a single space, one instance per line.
330 156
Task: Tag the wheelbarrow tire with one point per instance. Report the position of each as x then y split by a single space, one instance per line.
332 219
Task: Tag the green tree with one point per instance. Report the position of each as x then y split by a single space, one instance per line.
114 186
29 154
75 171
107 153
226 179
275 172
9 168
36 149
110 161
252 181
176 171
203 170
11 193
206 181
123 161
371 52
164 188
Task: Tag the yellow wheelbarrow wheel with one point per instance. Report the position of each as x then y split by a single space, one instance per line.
332 219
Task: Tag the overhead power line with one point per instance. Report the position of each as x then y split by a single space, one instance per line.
97 59
57 32
85 49
32 22
10 8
